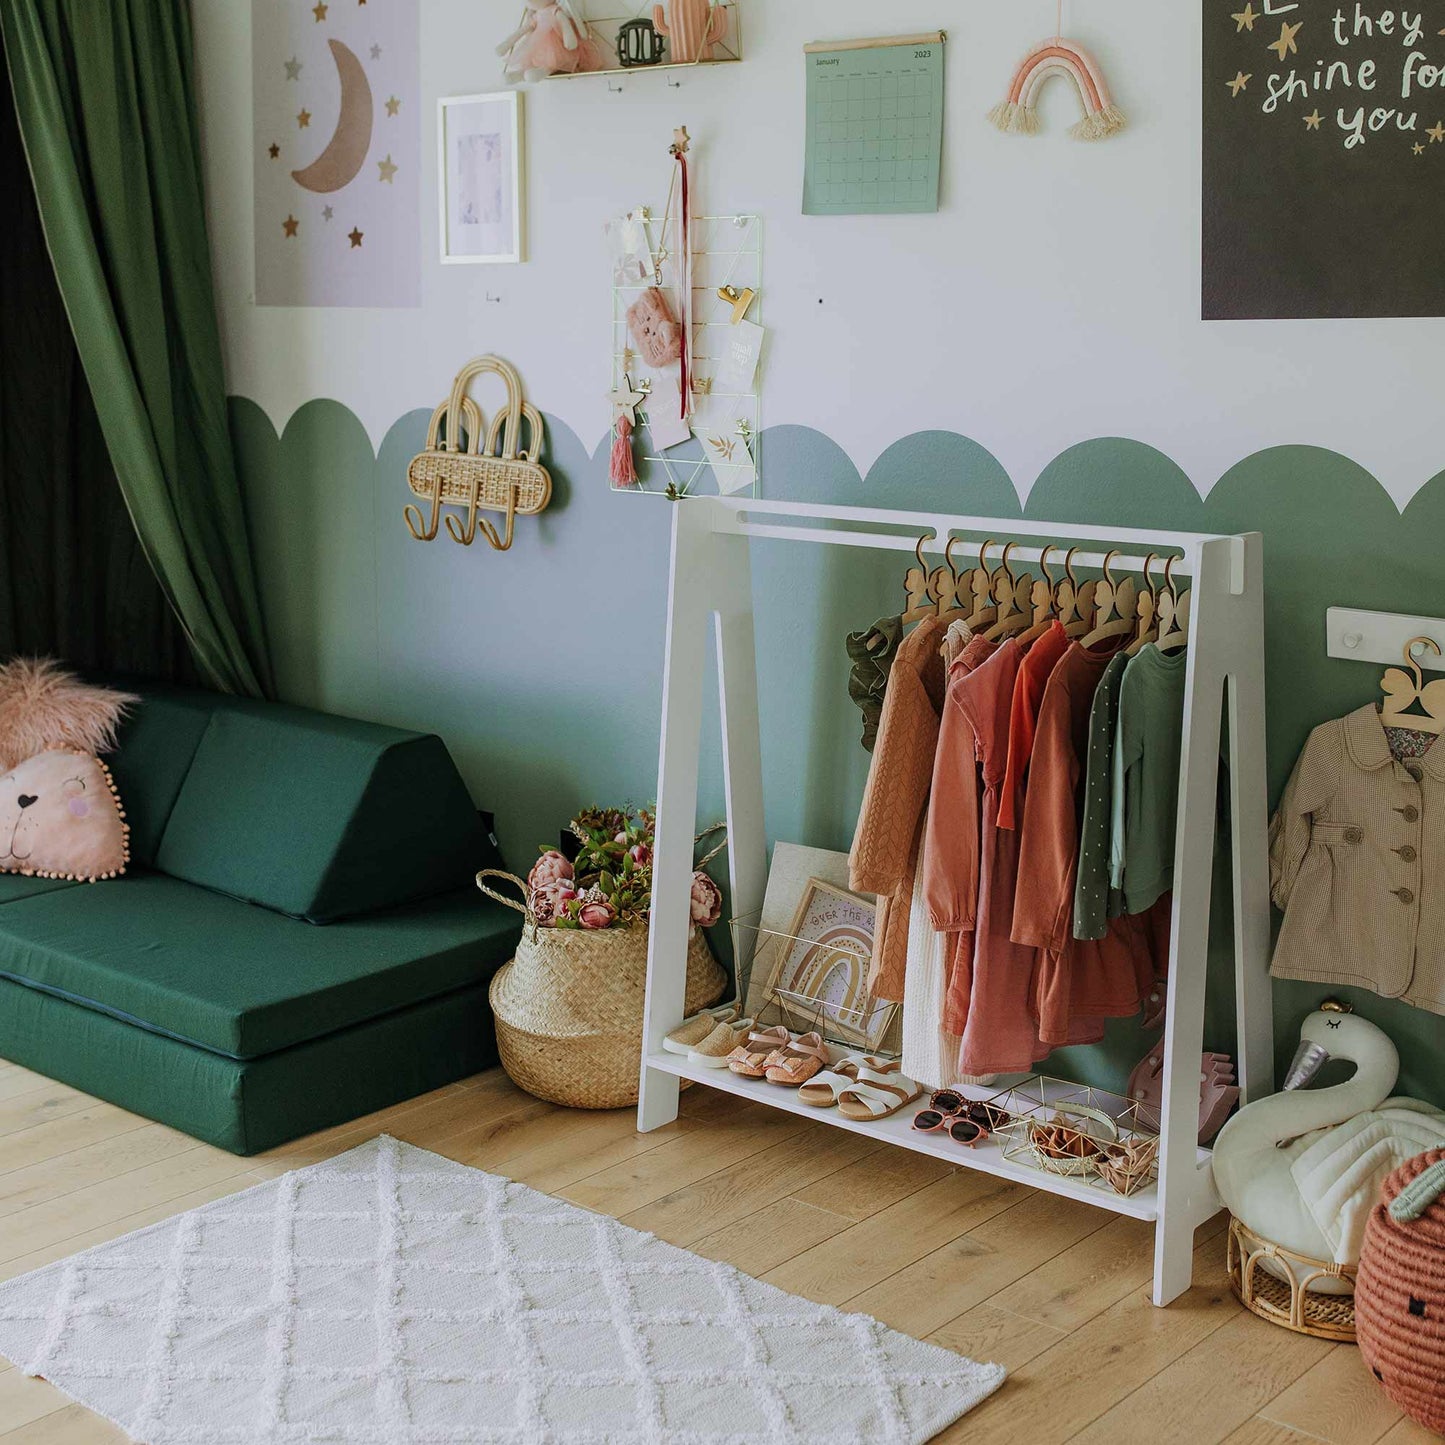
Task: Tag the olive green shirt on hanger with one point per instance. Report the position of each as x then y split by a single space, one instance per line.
1145 777
1092 894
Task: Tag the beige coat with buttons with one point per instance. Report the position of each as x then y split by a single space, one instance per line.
1357 863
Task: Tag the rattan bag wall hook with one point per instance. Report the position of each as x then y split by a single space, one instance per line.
493 474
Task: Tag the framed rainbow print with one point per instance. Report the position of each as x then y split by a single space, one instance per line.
820 974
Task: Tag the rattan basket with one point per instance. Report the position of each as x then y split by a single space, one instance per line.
1274 1283
568 1007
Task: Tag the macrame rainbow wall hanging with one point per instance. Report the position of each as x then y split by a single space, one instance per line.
1018 115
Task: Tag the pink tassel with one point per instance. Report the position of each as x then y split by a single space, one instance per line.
622 470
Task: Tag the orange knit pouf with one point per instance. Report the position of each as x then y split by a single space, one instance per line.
1400 1292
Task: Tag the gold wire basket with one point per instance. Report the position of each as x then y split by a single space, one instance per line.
815 983
1060 1127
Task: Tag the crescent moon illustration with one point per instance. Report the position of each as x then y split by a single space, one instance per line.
338 164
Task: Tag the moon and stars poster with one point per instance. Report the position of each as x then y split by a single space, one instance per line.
1324 159
337 140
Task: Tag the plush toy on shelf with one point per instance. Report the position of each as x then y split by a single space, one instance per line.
552 39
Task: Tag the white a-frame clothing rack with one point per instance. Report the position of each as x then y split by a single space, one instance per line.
711 585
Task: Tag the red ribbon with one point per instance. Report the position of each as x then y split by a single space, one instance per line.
685 286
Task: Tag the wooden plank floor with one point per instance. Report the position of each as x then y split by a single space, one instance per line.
1057 1291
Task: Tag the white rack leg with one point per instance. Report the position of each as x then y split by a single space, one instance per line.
1189 933
688 608
742 746
1249 831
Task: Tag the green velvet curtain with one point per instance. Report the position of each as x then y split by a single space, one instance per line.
103 91
74 582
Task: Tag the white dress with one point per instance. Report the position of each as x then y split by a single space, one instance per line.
930 1055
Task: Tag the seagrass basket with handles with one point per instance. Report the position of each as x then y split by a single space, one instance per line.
568 1006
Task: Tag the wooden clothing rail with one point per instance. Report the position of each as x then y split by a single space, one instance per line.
711 587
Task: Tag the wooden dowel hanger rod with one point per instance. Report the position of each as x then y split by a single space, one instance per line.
889 542
824 47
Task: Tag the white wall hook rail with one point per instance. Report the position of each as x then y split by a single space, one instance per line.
1382 637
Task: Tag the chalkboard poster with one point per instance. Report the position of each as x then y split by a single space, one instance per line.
1324 159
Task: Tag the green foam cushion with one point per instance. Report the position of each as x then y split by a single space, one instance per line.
237 980
321 817
15 886
250 1105
157 742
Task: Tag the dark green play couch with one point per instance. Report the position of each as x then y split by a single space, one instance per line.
298 940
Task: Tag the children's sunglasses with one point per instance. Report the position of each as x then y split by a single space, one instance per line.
960 1130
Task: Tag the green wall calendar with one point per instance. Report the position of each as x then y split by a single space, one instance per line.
875 126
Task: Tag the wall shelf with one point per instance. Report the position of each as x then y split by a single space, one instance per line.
726 51
648 69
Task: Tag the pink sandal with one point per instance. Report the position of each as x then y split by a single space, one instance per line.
804 1056
752 1058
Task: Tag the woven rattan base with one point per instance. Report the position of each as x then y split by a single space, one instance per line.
1282 1295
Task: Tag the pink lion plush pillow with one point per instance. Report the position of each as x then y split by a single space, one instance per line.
44 706
60 817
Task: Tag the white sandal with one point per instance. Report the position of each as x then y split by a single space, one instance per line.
876 1095
823 1089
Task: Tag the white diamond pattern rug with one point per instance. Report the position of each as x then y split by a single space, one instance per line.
393 1297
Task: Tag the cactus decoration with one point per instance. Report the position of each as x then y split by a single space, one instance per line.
692 27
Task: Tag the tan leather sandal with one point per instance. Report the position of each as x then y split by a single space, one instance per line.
877 1095
822 1090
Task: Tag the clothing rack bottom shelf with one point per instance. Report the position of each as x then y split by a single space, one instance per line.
898 1129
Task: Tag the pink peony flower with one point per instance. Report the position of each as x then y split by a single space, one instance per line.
597 913
641 853
707 900
620 838
550 868
543 903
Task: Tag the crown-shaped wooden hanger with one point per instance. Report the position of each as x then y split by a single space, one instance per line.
1013 594
920 601
1402 691
955 603
1075 600
1115 601
1147 606
1173 613
984 613
1044 600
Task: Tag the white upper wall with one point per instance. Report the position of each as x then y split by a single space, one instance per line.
1054 298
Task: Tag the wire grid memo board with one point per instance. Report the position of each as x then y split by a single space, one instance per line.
727 251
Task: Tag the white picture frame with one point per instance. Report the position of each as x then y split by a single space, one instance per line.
480 191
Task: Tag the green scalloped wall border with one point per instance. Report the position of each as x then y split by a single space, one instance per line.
541 666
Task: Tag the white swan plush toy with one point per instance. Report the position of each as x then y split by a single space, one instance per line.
1304 1167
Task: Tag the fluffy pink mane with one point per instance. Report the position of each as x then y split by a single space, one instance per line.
44 706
